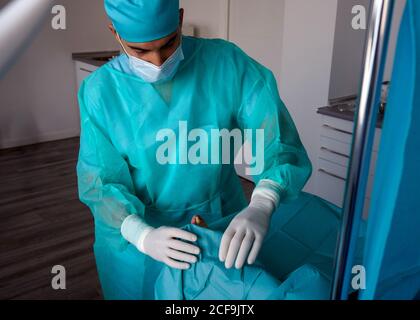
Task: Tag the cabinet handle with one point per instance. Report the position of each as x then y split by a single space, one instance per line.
335 152
331 174
83 69
336 129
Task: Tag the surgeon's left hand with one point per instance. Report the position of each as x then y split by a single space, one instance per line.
244 236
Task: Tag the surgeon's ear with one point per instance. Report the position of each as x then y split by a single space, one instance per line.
111 28
114 32
181 17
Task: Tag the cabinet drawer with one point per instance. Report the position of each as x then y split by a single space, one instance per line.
336 133
333 156
330 188
333 189
342 124
332 168
340 172
336 146
342 130
343 160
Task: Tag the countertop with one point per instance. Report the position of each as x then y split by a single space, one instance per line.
97 59
345 110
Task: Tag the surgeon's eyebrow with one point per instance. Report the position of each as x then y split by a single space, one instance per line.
167 44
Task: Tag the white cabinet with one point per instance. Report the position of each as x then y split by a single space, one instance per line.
83 70
333 160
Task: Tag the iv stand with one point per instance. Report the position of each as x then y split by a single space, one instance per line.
364 130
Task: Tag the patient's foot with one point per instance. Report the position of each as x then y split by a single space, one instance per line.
199 221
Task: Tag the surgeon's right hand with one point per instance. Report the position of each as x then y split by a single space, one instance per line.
166 244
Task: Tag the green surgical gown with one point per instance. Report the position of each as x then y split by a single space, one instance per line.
217 86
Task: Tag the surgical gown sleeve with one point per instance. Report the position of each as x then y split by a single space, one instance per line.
287 167
104 181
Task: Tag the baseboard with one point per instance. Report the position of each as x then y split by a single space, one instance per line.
50 136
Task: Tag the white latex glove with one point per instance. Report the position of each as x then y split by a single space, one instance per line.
161 244
164 244
244 236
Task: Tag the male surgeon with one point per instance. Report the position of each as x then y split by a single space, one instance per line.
139 204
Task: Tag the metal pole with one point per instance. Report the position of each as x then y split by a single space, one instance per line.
364 130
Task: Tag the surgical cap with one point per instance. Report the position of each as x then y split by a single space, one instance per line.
143 20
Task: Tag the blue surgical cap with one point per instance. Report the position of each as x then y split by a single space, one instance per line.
143 20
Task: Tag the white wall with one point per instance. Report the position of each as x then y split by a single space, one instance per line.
295 39
257 27
38 95
211 17
306 67
349 49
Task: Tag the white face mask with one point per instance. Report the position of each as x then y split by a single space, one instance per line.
152 73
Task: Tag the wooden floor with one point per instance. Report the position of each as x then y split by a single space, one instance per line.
43 224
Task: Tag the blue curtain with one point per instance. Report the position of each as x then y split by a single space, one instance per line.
392 252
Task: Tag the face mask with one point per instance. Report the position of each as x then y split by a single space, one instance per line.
152 73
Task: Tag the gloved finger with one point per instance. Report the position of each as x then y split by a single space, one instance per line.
182 234
180 256
224 243
183 246
255 250
234 248
244 250
176 264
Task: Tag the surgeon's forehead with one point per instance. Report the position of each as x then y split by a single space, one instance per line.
153 45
